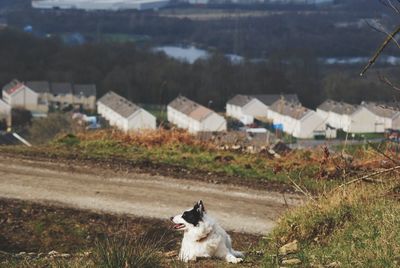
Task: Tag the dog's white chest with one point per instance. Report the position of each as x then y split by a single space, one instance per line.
204 248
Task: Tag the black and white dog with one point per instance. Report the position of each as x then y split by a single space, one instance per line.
203 237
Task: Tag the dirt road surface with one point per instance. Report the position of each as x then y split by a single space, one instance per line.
236 208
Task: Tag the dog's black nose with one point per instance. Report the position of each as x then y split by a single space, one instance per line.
171 218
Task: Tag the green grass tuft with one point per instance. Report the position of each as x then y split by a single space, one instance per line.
126 252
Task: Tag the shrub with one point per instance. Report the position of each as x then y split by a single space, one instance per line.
124 252
45 129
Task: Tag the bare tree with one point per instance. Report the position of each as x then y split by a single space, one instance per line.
390 38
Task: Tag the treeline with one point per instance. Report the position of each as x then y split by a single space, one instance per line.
146 77
258 36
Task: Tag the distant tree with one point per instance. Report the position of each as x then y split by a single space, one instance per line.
20 118
45 129
342 86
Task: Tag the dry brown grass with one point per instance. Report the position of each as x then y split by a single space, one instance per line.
355 225
147 138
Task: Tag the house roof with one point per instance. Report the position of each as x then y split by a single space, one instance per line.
269 99
240 100
119 104
291 109
61 88
39 86
381 110
183 104
86 90
190 108
200 113
337 107
13 86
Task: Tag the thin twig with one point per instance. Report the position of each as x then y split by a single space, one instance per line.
383 153
373 180
385 43
385 80
393 6
381 30
366 177
389 4
383 2
284 198
305 192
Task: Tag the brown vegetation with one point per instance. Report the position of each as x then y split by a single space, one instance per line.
149 139
90 239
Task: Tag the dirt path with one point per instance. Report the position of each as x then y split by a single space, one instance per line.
236 208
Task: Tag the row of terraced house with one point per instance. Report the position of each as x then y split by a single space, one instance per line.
182 112
39 96
286 113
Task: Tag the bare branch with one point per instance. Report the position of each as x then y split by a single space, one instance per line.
298 188
385 80
385 43
389 4
367 177
393 6
383 2
381 30
395 161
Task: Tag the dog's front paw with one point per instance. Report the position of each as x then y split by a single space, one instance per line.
187 259
233 259
237 260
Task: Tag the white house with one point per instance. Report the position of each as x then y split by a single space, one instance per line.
247 107
5 112
85 96
350 118
386 116
194 117
18 95
299 121
337 113
244 108
42 88
364 121
62 95
123 114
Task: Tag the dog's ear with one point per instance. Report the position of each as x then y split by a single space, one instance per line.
200 206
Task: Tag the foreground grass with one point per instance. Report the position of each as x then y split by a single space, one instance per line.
353 227
90 240
309 169
127 252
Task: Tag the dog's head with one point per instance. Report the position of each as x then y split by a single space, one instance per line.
189 218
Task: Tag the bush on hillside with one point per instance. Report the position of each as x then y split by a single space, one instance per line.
45 129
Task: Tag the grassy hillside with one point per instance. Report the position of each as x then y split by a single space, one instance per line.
316 170
352 217
354 226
